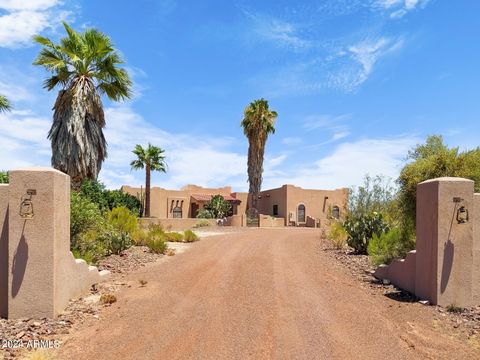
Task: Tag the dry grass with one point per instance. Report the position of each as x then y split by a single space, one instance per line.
169 252
39 354
108 299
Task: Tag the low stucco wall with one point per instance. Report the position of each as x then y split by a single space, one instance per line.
175 224
400 272
269 221
475 216
237 220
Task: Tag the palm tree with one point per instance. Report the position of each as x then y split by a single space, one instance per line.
150 159
84 66
4 104
258 123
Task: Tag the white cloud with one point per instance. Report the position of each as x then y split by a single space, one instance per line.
278 31
360 59
292 141
399 8
348 164
313 122
23 19
191 158
23 139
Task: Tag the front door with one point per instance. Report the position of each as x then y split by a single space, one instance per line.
194 210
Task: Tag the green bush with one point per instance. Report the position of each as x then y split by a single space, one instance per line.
173 237
202 223
361 229
337 235
389 246
106 200
92 245
140 237
84 216
216 208
205 214
157 245
189 236
3 177
123 220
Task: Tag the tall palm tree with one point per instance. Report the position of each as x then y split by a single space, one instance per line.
258 122
84 66
151 159
4 104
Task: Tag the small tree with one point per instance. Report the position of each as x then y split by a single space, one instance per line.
218 207
151 159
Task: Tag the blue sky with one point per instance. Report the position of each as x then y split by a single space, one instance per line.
356 84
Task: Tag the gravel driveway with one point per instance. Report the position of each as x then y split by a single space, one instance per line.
262 294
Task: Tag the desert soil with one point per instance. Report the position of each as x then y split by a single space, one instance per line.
262 294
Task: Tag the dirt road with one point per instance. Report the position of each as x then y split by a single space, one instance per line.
262 294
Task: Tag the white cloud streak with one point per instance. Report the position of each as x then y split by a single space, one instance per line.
25 18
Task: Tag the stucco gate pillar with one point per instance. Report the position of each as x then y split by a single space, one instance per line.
42 273
445 246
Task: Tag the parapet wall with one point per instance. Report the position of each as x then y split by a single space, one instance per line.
38 274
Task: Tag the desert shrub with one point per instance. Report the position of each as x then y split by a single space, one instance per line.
202 223
173 237
3 177
84 216
431 160
106 200
123 220
205 214
189 236
217 208
118 198
157 245
108 299
337 235
119 242
140 237
156 230
361 229
91 245
388 246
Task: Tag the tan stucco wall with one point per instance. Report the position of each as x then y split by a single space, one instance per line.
42 273
269 221
475 218
317 202
3 250
161 199
239 220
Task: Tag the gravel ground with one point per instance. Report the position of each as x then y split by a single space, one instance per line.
263 294
461 323
24 331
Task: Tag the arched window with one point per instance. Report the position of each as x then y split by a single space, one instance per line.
301 213
336 212
177 212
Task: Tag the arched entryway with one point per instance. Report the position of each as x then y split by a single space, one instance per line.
301 213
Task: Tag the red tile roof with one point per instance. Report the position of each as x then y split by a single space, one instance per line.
207 197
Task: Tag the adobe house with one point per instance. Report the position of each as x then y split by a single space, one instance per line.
302 207
291 205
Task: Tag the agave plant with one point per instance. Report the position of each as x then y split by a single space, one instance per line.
4 104
84 66
258 123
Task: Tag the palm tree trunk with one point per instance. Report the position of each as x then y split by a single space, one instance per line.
147 191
